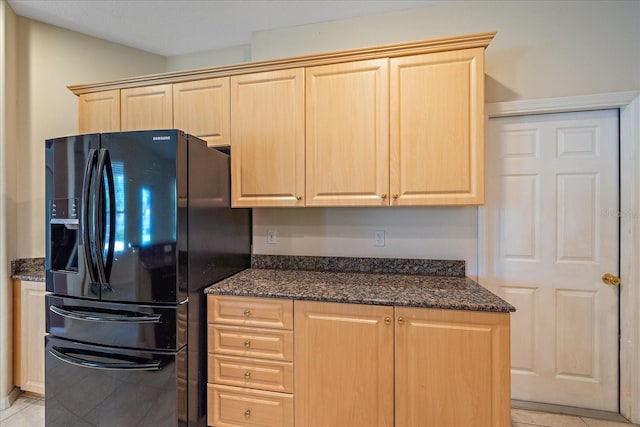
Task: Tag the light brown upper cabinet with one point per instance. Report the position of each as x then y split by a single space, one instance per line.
267 139
390 125
147 107
202 108
99 111
437 128
347 134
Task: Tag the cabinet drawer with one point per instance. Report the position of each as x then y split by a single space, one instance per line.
251 342
240 407
253 373
244 311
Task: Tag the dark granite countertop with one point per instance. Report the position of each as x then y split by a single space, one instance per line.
412 290
29 269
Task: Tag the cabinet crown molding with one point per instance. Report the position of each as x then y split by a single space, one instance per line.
381 51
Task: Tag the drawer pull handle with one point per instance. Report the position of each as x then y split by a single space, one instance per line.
247 413
246 312
247 343
247 375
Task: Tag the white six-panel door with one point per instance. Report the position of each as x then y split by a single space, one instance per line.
551 226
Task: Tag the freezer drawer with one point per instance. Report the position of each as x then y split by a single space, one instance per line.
118 325
105 386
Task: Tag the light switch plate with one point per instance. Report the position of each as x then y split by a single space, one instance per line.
272 238
378 238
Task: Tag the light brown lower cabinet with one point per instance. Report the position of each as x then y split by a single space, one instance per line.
359 366
343 365
29 331
452 368
250 362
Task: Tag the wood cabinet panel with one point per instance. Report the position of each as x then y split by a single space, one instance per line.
250 369
344 364
29 330
235 407
252 373
446 357
146 108
347 134
203 108
437 128
262 312
251 342
99 112
267 139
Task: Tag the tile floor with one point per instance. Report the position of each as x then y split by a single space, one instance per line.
28 411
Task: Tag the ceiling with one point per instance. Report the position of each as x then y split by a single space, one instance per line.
178 27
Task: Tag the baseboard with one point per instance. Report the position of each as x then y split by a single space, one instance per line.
7 401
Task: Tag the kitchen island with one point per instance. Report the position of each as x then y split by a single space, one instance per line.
376 343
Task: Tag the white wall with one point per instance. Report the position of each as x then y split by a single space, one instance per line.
436 233
50 59
542 49
210 58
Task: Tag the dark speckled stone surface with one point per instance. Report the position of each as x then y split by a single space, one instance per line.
31 269
456 293
425 267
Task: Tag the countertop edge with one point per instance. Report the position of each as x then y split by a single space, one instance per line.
474 297
28 269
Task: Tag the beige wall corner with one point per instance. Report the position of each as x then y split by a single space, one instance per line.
8 192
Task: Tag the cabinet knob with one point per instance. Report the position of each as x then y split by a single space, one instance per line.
387 320
247 413
298 197
247 375
400 320
395 197
246 312
247 343
383 196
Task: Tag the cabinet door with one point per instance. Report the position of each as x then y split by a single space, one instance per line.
267 139
147 108
452 368
32 319
202 108
347 135
437 128
343 364
99 112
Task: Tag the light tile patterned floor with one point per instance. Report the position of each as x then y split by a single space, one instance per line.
28 411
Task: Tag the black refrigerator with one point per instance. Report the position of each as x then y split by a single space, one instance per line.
137 225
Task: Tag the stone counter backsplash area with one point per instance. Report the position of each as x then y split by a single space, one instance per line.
31 269
423 267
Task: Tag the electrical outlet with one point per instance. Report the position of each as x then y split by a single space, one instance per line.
272 238
378 238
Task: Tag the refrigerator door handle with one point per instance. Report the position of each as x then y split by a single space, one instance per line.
129 316
89 254
131 365
104 266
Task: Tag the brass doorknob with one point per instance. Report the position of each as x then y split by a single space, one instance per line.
610 279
